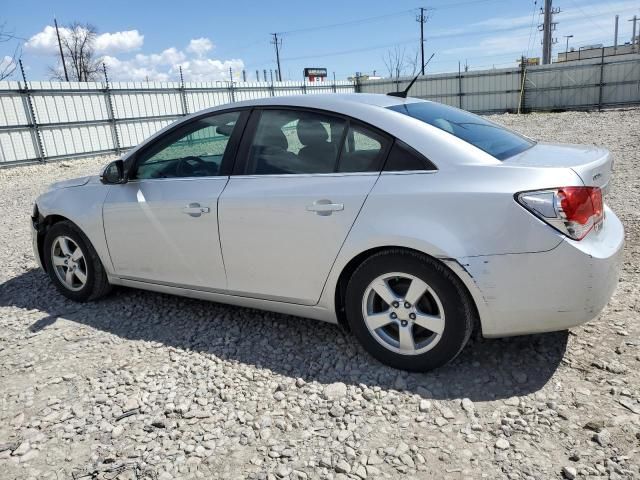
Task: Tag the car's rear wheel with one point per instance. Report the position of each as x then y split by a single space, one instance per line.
73 264
408 310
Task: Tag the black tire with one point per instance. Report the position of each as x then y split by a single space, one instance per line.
96 285
459 312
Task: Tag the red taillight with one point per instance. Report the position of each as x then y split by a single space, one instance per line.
572 210
580 204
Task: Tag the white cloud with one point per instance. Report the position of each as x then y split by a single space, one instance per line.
162 66
43 42
46 41
119 41
200 46
208 69
165 66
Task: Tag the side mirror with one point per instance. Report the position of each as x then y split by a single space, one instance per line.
113 174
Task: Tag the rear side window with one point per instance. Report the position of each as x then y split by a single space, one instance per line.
295 142
363 150
403 158
490 137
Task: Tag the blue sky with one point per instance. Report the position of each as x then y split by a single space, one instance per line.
142 40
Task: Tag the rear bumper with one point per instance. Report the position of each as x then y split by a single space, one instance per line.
528 293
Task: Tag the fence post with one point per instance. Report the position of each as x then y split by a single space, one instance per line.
231 93
183 95
459 87
523 77
601 79
36 137
110 111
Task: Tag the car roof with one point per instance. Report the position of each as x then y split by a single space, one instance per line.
325 101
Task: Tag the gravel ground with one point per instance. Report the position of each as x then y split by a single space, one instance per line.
143 385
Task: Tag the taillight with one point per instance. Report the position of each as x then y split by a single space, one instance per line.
574 211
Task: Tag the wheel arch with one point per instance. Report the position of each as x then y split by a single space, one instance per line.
458 270
43 226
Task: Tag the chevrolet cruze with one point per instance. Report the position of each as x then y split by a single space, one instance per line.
408 221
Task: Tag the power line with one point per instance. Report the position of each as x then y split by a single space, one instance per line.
348 23
376 18
531 27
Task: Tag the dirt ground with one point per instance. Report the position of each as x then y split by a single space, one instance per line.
144 385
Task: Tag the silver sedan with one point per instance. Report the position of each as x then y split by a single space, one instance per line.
408 222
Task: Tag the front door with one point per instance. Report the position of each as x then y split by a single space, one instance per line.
302 181
162 226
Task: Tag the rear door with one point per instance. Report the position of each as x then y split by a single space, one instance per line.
162 226
300 180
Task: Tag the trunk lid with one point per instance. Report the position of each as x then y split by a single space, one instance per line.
592 164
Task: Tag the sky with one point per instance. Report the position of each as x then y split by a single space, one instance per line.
142 40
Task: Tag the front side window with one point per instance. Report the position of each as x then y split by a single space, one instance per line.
196 150
490 137
295 142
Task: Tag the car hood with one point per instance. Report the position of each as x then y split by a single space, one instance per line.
73 182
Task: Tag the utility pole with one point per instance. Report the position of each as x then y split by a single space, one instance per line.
277 43
421 19
615 36
548 27
633 36
64 65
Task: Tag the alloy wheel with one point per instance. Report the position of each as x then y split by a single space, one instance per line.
403 313
69 263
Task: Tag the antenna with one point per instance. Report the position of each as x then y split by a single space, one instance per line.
403 94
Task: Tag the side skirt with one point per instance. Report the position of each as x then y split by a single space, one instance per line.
314 312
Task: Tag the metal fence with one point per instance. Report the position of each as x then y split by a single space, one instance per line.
586 84
42 121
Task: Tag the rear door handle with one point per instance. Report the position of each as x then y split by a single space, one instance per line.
195 210
325 207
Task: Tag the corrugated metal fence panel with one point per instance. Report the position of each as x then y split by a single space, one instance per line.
76 140
12 110
578 84
484 91
134 132
547 87
16 145
77 118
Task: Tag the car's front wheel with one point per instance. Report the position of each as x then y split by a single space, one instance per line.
408 310
73 264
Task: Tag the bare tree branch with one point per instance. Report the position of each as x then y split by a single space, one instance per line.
78 41
9 63
399 63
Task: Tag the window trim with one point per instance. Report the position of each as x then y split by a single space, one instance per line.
250 129
179 128
414 151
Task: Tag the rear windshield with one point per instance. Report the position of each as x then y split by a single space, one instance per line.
488 136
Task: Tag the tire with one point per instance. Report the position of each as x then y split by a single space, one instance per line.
402 341
89 280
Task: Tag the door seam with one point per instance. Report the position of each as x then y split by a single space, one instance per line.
324 285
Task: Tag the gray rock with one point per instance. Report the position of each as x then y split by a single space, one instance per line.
502 444
335 391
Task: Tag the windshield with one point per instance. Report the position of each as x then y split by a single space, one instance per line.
487 136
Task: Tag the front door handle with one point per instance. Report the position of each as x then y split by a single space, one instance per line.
195 210
325 207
